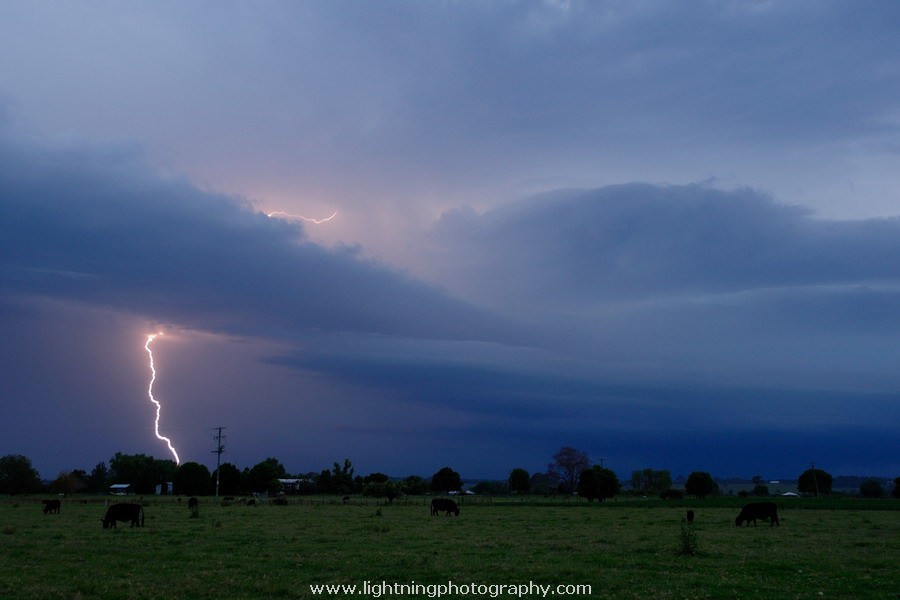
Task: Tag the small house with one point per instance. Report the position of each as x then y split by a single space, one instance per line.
121 489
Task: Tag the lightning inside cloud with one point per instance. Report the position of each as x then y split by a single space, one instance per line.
150 338
281 213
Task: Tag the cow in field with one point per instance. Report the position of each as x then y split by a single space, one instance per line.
442 504
51 506
690 517
758 510
123 512
193 503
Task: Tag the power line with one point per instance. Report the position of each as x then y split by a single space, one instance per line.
220 448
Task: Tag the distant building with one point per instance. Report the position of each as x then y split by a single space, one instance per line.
121 489
163 488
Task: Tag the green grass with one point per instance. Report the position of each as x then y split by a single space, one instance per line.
623 550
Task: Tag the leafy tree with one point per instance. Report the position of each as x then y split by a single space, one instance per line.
598 483
568 465
17 476
230 480
141 471
650 482
895 493
446 480
383 489
814 481
67 482
376 478
700 484
192 479
871 488
519 481
491 488
415 485
97 480
545 483
760 489
342 477
264 476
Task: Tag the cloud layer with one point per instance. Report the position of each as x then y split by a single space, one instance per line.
523 256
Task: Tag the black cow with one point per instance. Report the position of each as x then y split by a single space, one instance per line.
442 504
193 503
690 516
51 506
758 510
123 512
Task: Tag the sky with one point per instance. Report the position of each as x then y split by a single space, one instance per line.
663 233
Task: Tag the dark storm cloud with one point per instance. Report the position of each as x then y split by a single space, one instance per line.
644 242
95 226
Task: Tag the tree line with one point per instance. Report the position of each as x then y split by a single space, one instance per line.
570 472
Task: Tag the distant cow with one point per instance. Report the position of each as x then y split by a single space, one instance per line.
758 510
193 503
51 506
123 512
690 516
442 504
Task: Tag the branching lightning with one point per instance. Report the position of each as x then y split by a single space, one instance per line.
281 213
150 338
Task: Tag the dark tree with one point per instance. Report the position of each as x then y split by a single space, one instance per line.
814 482
415 485
760 489
17 476
567 465
545 483
598 483
895 493
519 481
650 482
382 489
192 479
342 477
264 476
871 488
97 480
491 488
376 478
141 471
700 484
446 480
67 482
230 480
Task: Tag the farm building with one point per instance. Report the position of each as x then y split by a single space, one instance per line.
120 489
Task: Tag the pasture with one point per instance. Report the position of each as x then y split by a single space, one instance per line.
622 550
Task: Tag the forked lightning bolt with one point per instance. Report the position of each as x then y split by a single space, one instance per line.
150 338
281 213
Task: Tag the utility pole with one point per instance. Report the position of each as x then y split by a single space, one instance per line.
220 448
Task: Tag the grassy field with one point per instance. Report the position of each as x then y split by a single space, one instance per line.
622 550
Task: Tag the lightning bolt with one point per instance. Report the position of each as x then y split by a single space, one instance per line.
150 338
281 213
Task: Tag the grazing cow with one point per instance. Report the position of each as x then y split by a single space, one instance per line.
690 516
193 503
123 512
442 504
251 502
758 510
51 506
